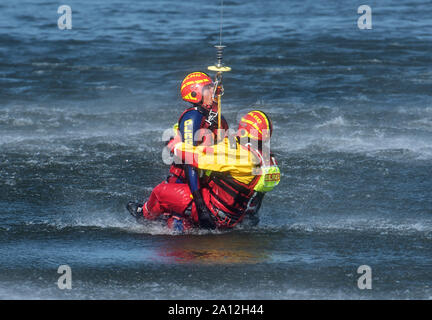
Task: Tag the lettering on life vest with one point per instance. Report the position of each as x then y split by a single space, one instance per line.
188 132
272 177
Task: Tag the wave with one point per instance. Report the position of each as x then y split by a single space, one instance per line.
374 225
152 290
99 221
312 130
103 221
335 122
398 147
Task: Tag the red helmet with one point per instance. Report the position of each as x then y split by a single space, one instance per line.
193 85
255 125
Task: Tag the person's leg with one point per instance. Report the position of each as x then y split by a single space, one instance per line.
167 198
179 223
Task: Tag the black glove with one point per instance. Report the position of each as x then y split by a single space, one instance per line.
253 207
204 214
254 219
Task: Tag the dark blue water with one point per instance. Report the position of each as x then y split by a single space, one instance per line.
82 112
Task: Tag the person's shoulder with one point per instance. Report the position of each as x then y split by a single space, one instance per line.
192 111
256 157
189 111
191 114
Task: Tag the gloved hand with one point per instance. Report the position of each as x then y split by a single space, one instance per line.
219 90
204 214
205 219
254 219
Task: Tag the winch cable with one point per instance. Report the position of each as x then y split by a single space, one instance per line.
219 68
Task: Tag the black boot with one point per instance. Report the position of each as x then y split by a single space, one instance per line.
136 210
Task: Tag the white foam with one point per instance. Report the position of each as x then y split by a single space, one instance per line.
109 220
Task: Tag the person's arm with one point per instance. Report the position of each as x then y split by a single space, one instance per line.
188 126
220 158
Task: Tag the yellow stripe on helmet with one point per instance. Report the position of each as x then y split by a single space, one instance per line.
265 117
194 82
253 124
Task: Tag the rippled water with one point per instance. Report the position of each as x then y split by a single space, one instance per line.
81 117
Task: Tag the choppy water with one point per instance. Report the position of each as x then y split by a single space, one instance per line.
81 117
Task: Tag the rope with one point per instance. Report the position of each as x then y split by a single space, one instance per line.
221 23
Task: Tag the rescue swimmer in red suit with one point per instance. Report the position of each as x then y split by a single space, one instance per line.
199 89
239 171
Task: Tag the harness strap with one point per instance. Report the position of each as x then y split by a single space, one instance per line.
227 179
226 205
223 215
